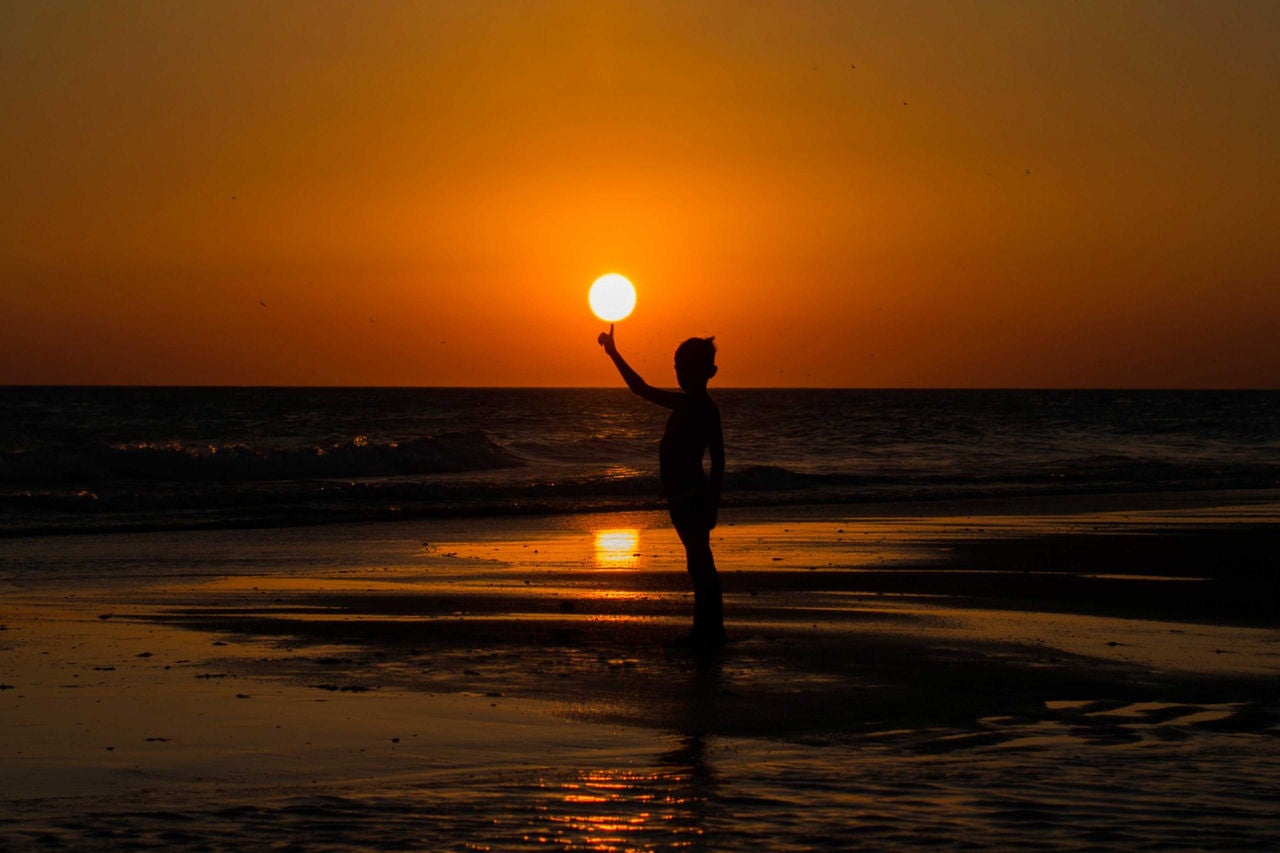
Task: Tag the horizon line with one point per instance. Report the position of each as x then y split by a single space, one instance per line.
342 387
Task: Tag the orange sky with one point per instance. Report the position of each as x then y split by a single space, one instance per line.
998 194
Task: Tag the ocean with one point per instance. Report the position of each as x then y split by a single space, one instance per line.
106 459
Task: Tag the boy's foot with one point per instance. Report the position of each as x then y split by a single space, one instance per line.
697 643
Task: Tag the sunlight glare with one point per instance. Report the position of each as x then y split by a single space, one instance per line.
617 549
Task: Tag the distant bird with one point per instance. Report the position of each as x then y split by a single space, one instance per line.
263 304
851 65
370 319
1028 171
904 103
233 198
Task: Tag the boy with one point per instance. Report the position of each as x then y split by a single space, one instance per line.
692 497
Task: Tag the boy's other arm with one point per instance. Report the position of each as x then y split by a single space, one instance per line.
715 444
670 399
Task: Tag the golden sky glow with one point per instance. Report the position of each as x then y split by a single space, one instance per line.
845 194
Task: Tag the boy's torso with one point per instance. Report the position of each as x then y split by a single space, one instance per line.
684 443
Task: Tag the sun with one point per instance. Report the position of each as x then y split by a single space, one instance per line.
612 297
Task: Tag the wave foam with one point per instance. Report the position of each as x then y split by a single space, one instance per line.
449 452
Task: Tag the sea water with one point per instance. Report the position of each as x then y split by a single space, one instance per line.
106 459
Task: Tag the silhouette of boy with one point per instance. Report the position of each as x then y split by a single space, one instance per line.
693 430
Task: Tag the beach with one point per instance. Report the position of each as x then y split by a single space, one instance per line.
1068 673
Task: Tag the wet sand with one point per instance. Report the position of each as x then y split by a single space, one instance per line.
1061 673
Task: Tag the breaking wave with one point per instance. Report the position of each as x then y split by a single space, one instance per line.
449 452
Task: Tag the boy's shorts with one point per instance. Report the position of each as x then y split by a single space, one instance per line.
691 512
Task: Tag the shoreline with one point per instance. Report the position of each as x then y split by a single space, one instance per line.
1032 503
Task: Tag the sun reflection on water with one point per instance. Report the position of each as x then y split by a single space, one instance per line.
615 810
618 549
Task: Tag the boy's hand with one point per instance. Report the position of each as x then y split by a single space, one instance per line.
606 340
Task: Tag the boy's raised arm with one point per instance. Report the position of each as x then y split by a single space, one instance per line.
670 399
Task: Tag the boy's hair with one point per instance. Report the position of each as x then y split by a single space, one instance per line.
697 352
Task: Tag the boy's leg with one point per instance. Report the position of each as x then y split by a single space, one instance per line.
708 604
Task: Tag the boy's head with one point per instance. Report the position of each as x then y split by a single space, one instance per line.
695 363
